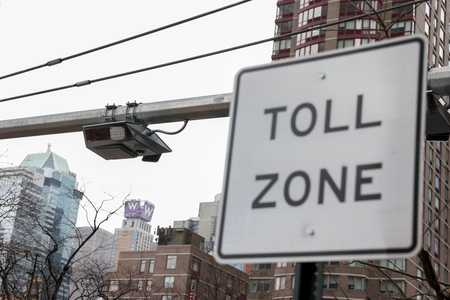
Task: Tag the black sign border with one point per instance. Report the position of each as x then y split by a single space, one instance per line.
417 167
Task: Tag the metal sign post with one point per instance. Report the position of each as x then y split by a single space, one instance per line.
308 281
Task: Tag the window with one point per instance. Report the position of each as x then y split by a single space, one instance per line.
171 262
427 28
436 202
445 254
311 49
436 246
429 194
230 280
442 15
419 274
140 284
281 264
168 281
113 285
293 282
398 264
166 298
207 291
359 26
313 14
406 10
330 282
430 174
437 183
441 52
286 10
195 265
441 34
256 267
402 28
142 265
149 285
387 286
356 264
151 268
332 263
280 283
355 283
208 272
352 42
436 268
282 46
430 215
242 287
430 155
283 27
310 36
438 164
427 10
260 286
428 238
354 7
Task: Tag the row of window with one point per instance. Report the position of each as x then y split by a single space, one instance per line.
310 35
366 26
286 10
314 14
352 7
171 263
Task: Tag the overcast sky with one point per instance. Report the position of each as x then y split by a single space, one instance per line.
34 32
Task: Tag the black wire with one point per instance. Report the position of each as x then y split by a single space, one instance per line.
174 132
60 60
87 82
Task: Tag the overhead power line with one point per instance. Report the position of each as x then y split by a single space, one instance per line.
60 60
88 82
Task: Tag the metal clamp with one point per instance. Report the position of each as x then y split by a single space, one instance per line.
109 113
130 112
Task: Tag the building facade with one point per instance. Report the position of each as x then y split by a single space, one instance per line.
39 212
94 256
135 233
350 280
173 271
206 222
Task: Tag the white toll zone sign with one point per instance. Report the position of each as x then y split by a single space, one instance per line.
324 157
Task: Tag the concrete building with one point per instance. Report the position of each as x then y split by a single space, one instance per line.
173 271
206 222
135 233
93 259
430 18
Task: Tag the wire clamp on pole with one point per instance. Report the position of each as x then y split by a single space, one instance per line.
109 113
130 112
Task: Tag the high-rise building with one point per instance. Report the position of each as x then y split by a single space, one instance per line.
40 214
93 256
429 19
135 233
206 222
351 280
61 201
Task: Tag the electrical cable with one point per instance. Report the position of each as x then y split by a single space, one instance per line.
88 82
60 60
171 133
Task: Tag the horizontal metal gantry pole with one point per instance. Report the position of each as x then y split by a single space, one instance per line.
197 108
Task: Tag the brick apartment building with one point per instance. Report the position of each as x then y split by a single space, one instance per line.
430 19
178 266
